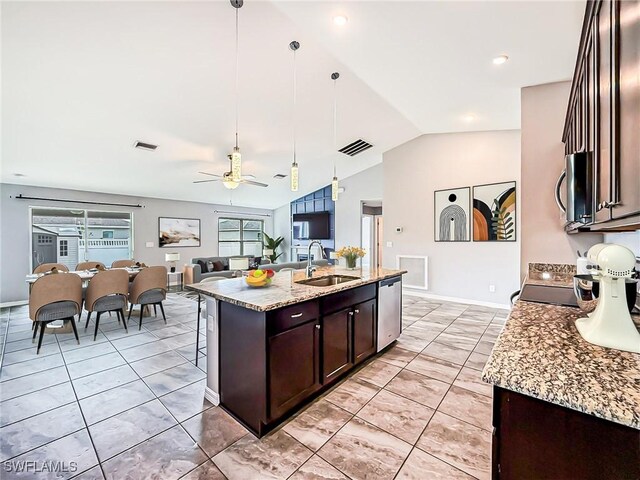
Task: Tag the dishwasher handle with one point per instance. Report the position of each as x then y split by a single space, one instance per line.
389 282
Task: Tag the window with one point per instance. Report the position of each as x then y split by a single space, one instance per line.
64 248
107 234
239 236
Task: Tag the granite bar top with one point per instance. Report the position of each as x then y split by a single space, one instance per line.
283 290
541 354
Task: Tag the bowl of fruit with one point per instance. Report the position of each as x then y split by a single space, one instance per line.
259 278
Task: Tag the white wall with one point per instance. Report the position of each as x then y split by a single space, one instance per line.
412 172
366 185
282 228
16 230
543 237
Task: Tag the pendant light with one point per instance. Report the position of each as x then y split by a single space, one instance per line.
294 46
334 181
236 158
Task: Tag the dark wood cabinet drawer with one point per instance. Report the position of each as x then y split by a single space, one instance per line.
289 317
347 298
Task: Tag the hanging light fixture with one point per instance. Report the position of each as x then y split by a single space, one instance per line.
334 182
236 158
294 46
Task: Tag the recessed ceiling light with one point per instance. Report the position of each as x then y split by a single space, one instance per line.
500 59
340 20
469 117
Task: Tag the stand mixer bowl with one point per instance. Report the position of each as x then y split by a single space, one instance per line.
587 289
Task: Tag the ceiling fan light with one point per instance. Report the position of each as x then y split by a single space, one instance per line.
230 184
236 165
334 189
294 177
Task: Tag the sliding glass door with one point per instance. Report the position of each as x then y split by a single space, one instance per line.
71 236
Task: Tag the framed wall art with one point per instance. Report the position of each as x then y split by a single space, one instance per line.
178 232
494 212
452 221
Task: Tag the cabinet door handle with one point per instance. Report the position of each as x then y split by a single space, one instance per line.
356 311
296 315
318 326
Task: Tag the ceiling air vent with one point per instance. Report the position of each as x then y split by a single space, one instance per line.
279 176
355 148
145 146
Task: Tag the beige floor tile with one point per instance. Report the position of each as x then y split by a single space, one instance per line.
398 356
459 444
425 390
214 430
276 456
363 451
477 361
378 373
422 466
434 368
352 394
470 379
397 415
446 352
317 424
468 406
317 469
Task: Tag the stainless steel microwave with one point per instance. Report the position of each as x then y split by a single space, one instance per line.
578 173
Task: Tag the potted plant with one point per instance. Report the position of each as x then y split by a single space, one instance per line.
351 255
272 244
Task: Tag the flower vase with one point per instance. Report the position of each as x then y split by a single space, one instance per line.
351 262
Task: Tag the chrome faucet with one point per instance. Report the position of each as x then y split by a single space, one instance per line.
310 268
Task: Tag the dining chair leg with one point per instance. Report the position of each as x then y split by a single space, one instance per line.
121 314
95 333
86 325
35 331
42 329
131 310
162 310
155 310
141 311
75 329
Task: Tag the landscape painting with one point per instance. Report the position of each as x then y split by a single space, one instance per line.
494 212
452 221
178 232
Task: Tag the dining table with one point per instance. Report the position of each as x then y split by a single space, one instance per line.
85 275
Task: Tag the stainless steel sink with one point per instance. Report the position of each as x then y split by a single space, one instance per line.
327 281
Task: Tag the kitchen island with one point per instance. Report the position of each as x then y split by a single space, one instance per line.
271 350
562 407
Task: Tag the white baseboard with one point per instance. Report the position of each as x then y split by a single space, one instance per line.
17 303
431 296
212 396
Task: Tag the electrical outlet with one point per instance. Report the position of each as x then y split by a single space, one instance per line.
492 288
149 244
389 244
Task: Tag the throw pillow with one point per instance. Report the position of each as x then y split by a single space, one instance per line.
209 266
218 266
203 266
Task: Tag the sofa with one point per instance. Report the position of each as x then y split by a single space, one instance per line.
194 273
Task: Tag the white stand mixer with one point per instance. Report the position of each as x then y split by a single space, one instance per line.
610 324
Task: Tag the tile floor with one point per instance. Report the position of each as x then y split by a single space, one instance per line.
131 406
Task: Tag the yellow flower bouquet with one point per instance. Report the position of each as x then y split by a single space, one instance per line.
351 255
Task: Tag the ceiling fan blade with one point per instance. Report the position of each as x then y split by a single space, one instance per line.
250 177
251 182
206 181
210 174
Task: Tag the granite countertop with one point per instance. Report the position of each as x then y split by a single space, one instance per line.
551 274
541 354
283 290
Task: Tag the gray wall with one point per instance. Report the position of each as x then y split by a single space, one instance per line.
16 229
412 172
282 228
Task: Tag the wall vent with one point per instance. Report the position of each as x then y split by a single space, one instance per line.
417 268
145 146
355 148
279 176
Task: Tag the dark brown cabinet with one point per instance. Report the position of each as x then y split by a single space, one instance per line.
603 115
364 330
336 345
294 360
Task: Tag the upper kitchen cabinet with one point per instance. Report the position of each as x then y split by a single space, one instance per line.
603 114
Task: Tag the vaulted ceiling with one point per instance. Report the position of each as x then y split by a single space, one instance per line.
81 82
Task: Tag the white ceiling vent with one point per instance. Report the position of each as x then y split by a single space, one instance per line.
145 146
355 148
279 176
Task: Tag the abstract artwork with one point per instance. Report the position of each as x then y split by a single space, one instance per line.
178 232
452 219
494 212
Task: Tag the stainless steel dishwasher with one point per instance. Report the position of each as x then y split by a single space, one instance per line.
389 310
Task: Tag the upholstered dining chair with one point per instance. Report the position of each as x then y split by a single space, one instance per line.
107 292
148 288
89 265
55 297
47 267
123 263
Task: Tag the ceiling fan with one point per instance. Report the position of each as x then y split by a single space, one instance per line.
227 179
